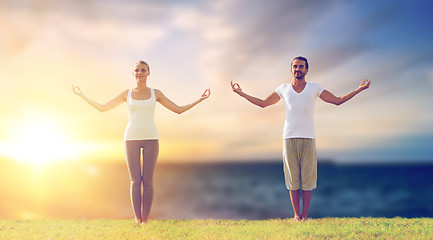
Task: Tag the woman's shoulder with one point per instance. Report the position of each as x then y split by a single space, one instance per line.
125 93
157 91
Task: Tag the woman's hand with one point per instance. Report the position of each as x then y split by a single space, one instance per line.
205 95
76 90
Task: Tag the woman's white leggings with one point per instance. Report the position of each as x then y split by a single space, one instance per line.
141 204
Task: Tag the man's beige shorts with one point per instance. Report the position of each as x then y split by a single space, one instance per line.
300 163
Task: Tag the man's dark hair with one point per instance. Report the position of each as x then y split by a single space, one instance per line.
302 59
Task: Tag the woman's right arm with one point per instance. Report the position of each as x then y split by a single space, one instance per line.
102 107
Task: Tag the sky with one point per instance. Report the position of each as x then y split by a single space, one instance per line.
47 46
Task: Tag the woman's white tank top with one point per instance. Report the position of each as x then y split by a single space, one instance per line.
141 125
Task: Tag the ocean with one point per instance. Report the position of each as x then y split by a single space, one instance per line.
257 191
219 191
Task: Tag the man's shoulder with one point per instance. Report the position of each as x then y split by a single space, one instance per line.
284 85
315 87
282 90
313 84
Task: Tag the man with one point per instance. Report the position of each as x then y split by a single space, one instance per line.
299 149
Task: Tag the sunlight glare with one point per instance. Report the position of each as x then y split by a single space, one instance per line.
37 141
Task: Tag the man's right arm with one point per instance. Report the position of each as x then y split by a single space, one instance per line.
270 100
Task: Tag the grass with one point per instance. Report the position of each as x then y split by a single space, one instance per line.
324 228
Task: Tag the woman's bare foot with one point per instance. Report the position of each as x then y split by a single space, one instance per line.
297 218
138 221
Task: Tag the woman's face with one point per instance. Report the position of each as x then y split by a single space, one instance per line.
141 72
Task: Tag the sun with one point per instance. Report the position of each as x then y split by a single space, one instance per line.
37 141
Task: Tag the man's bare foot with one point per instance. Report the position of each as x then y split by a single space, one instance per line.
297 218
138 221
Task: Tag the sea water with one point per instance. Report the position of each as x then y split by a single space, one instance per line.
257 191
219 191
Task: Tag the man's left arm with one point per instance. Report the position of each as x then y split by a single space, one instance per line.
331 98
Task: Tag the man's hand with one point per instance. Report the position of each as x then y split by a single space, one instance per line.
365 84
236 88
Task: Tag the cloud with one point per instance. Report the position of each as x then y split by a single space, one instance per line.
107 33
414 147
258 30
430 75
208 44
106 25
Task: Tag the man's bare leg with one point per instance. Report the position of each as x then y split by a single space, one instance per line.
294 197
306 199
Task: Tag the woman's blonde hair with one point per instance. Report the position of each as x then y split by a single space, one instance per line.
143 62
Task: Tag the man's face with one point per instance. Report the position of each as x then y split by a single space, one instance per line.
299 69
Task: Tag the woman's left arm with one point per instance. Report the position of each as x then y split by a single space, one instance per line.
167 103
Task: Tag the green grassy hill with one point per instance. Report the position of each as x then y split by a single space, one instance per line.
325 228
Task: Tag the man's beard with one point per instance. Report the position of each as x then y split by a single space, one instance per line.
302 75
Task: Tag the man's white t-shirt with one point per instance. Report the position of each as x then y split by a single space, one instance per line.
299 110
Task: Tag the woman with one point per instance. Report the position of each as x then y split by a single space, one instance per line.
141 133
